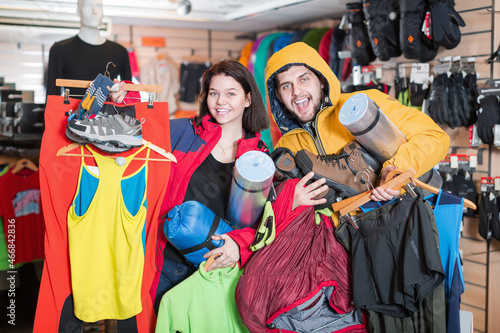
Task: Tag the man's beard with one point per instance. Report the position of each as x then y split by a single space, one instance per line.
317 108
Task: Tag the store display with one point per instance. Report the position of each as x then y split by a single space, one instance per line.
59 177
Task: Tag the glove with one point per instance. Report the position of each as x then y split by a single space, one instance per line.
438 100
487 116
454 107
417 94
488 215
359 42
470 83
445 22
95 96
495 226
463 100
465 188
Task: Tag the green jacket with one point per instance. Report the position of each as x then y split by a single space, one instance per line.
203 303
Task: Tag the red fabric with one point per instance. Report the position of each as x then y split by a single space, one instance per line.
303 258
21 211
134 68
58 181
324 46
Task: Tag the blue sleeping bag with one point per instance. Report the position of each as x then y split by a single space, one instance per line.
190 226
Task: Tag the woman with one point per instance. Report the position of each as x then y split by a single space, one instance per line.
231 116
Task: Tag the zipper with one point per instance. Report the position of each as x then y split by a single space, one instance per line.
315 138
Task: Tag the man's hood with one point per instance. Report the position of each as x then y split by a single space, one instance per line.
297 54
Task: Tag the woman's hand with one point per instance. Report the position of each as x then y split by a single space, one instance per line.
229 253
379 194
118 96
305 194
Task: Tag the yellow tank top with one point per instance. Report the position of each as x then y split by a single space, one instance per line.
105 227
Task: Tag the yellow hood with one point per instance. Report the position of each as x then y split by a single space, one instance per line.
297 54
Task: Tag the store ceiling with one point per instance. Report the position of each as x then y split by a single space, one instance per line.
234 15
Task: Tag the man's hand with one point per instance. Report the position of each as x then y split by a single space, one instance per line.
305 194
379 194
119 95
229 253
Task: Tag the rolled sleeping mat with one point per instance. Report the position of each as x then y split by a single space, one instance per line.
190 226
377 133
252 179
371 127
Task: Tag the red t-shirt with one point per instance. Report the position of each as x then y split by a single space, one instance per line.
21 211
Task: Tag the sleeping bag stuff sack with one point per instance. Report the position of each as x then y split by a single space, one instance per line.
359 42
190 226
414 43
382 17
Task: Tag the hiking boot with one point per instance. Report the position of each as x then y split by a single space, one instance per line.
285 164
108 147
121 129
286 168
352 171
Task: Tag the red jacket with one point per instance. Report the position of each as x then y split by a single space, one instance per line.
191 145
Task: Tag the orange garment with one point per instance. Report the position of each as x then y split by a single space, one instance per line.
58 182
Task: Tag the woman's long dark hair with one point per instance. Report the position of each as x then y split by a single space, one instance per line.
255 117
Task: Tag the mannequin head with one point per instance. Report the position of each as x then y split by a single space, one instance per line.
90 12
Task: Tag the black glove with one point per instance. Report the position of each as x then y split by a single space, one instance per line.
417 94
359 42
487 116
495 221
438 100
454 107
466 189
463 100
470 83
488 215
445 22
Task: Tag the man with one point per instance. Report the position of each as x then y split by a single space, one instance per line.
285 285
305 101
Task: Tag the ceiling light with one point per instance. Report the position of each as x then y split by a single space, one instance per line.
184 7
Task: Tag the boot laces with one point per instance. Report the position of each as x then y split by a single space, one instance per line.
332 159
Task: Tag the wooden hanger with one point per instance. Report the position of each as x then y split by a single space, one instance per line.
357 201
427 187
402 178
63 151
24 163
128 86
211 259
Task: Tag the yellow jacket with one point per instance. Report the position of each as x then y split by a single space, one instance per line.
427 142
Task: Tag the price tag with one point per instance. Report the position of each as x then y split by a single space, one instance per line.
454 162
473 161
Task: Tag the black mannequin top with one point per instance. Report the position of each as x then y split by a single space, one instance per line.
73 58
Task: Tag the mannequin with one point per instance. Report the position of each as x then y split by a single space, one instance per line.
85 55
